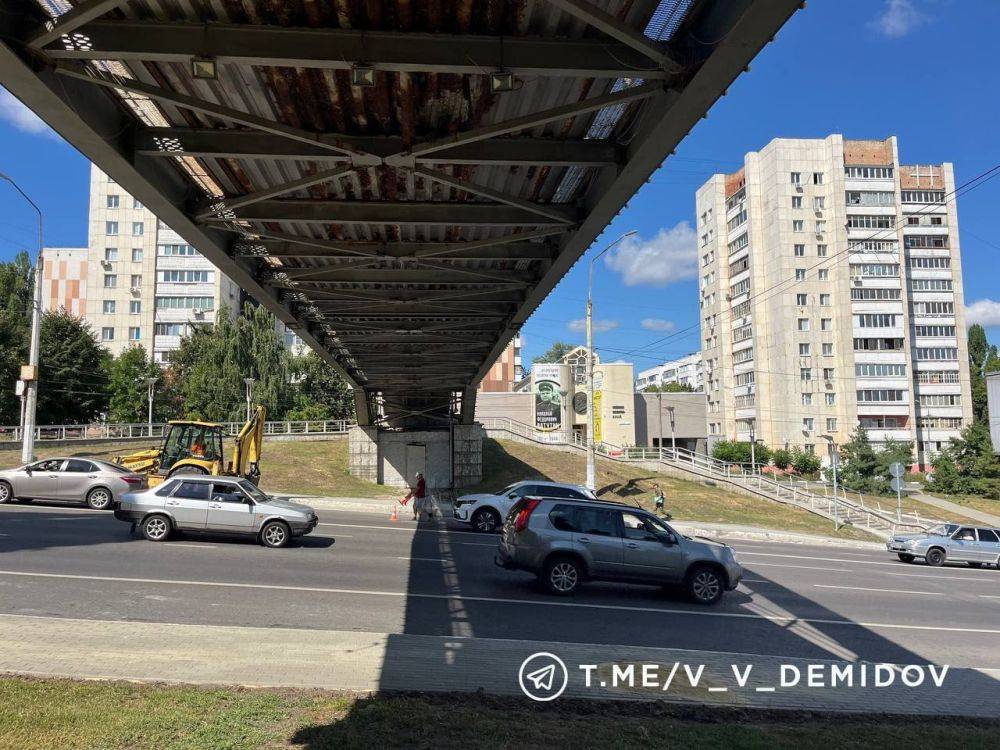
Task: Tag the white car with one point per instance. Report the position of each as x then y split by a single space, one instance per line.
485 512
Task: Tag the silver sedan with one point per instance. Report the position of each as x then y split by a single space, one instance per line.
99 484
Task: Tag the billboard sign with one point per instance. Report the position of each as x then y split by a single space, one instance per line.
548 399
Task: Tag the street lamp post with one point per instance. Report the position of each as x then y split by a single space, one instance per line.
31 382
591 446
249 382
834 460
753 449
150 385
673 438
659 414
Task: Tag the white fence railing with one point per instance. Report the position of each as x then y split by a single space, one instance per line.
840 509
145 431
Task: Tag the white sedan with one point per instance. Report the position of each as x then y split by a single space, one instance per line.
485 512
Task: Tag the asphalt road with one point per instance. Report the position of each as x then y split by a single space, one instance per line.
360 572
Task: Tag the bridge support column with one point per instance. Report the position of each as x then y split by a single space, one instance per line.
449 458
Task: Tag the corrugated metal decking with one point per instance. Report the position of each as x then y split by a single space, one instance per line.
407 229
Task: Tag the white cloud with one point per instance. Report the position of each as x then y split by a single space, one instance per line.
672 255
22 118
657 324
986 312
899 18
600 326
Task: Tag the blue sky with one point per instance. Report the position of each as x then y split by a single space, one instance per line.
922 70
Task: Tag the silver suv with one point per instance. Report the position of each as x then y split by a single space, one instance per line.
565 542
951 542
215 504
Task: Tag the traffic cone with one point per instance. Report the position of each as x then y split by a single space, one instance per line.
393 515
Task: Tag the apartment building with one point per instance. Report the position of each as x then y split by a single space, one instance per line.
831 296
687 370
506 371
137 282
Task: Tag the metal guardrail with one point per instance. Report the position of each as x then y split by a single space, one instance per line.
842 509
145 431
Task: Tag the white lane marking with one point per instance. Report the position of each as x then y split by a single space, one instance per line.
412 529
498 600
767 545
814 557
52 509
988 596
800 567
941 577
718 689
882 591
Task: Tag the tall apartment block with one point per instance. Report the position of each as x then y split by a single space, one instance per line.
831 296
506 371
140 282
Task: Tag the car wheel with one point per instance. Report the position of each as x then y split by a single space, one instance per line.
935 557
156 528
486 520
562 575
275 534
99 498
905 557
705 585
975 565
6 493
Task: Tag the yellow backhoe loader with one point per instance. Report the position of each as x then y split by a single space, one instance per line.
196 448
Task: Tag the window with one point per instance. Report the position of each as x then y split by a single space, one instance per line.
831 399
739 243
803 324
135 307
940 399
798 225
922 196
138 229
111 228
807 399
804 350
985 535
821 251
826 324
185 303
870 221
734 268
940 423
937 377
170 329
823 274
912 221
827 349
185 277
874 246
868 293
801 300
110 281
136 204
931 285
879 370
882 422
137 255
828 373
193 490
870 198
171 250
741 287
800 251
78 466
800 274
831 424
875 320
890 270
796 201
133 333
942 353
878 345
108 307
820 227
107 334
933 308
824 300
878 395
808 423
926 240
796 178
737 220
731 202
595 521
136 280
817 178
819 203
805 373
111 253
868 173
744 378
948 331
930 262
113 201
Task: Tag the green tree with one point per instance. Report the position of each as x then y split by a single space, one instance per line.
127 383
738 452
669 388
211 364
865 469
16 287
73 378
805 463
556 352
975 464
782 458
320 392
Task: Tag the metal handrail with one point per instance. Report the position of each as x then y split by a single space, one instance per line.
145 431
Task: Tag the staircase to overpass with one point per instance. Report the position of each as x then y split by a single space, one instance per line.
400 183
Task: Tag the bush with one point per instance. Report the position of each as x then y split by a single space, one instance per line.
738 452
805 463
782 458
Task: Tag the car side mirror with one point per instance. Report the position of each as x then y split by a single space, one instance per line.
512 496
669 539
27 470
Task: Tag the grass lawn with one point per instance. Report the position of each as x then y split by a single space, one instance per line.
507 461
49 713
975 502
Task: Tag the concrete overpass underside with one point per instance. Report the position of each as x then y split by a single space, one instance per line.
401 183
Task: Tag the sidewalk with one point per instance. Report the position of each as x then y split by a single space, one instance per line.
721 531
959 510
342 660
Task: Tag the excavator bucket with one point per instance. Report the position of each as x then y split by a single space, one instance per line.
246 453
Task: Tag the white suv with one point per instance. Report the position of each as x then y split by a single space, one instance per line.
485 512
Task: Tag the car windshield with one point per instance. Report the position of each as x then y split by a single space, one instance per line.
253 491
506 490
943 529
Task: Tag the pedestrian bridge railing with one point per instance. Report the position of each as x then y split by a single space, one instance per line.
156 431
